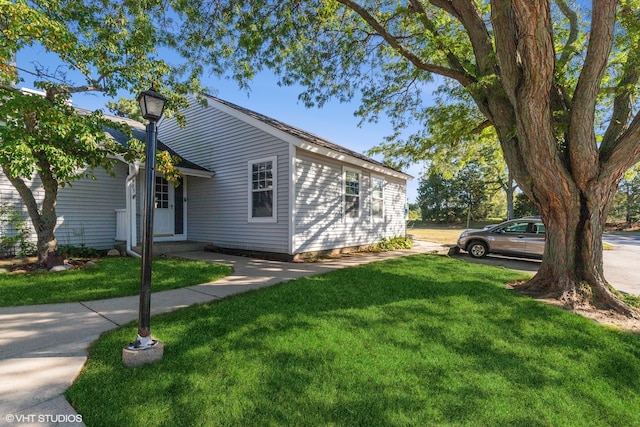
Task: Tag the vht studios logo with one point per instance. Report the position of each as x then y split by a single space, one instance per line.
43 418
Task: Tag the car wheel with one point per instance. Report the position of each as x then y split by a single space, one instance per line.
477 249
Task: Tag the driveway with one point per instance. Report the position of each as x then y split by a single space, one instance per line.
620 264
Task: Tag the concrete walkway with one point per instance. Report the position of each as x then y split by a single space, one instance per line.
43 347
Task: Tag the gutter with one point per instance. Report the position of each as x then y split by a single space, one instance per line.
134 169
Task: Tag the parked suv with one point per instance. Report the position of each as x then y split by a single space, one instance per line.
523 237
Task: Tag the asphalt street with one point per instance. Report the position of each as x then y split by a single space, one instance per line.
621 264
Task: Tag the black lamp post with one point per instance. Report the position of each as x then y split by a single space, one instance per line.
152 106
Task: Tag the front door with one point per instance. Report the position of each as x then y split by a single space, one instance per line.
164 214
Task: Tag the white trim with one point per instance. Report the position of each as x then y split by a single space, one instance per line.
274 189
346 169
196 172
307 145
292 198
371 199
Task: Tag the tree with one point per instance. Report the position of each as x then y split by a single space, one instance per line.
626 202
523 206
453 198
126 107
544 78
103 47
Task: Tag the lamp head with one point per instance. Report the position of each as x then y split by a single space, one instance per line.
151 104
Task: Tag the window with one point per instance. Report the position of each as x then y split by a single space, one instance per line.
377 198
351 194
162 193
514 227
262 190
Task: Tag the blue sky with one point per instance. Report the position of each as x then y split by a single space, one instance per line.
334 122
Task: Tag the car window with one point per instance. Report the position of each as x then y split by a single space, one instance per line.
538 228
516 227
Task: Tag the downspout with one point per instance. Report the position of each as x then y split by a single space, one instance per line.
134 169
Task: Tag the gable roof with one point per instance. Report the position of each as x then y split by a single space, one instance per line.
139 132
314 140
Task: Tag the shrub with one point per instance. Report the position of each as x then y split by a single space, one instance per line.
14 236
393 243
81 251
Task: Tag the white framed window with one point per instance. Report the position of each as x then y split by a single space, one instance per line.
377 198
262 190
351 193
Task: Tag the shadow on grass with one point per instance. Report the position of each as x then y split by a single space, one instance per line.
414 341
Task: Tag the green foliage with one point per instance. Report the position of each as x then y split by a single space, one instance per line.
81 251
101 46
626 202
111 277
522 206
414 212
15 233
394 243
126 107
452 199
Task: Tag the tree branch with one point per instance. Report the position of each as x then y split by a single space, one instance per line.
623 101
504 23
27 197
583 152
467 13
568 49
452 59
625 153
462 78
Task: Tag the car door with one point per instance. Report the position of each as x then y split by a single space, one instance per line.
536 239
510 238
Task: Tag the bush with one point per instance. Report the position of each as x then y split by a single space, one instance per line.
81 251
393 243
14 237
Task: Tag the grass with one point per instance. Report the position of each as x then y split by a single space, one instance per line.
444 236
421 340
109 278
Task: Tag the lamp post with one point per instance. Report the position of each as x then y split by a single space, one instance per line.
145 349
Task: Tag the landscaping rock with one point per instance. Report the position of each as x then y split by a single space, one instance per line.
113 252
59 268
3 270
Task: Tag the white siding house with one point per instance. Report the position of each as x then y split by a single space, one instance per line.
250 183
321 196
86 211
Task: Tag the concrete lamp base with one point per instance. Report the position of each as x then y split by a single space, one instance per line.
132 356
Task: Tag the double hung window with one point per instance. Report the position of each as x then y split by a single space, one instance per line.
351 196
262 190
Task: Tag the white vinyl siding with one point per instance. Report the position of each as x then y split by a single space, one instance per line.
319 223
86 209
217 211
262 194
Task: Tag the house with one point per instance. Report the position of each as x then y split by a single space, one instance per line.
250 183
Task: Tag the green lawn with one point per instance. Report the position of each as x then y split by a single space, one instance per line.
109 278
421 340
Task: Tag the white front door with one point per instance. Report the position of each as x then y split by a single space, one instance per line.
164 214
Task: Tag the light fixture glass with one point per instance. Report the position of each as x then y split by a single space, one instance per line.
151 104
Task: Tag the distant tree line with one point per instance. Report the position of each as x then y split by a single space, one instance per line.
471 192
474 193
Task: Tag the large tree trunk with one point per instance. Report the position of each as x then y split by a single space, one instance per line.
572 268
43 219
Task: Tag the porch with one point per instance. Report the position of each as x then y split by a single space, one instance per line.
167 248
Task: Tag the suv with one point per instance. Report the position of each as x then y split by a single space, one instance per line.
523 236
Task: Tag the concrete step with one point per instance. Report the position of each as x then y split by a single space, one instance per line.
168 248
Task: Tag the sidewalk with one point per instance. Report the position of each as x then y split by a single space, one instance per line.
43 347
